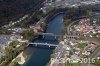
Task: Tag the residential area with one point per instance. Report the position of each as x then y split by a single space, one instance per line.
81 49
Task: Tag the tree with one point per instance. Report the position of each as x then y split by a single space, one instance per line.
66 22
11 51
97 63
89 13
5 31
29 34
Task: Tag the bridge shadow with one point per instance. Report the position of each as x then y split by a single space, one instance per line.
45 40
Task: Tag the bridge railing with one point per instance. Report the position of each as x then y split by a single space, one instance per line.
46 44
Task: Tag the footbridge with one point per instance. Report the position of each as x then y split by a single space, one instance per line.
43 44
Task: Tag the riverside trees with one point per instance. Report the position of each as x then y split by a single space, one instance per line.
29 35
11 51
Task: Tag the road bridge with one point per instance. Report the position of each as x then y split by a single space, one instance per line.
55 35
43 44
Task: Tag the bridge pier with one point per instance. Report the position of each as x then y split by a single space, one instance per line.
43 36
49 46
55 37
35 44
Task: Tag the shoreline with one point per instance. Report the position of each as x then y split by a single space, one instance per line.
27 53
22 57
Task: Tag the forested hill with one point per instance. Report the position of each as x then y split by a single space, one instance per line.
13 9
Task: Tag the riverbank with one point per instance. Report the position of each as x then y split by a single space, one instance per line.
25 55
22 58
25 59
41 56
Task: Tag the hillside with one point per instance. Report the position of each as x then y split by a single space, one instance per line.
13 9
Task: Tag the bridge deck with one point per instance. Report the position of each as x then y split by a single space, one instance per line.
52 34
46 44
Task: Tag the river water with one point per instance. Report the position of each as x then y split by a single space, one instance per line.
41 56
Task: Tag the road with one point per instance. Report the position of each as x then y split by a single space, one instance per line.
56 62
93 55
68 28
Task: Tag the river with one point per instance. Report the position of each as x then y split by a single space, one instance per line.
41 56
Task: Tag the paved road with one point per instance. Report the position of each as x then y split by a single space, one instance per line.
58 57
93 55
68 28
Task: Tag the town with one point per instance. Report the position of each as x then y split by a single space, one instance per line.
77 45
